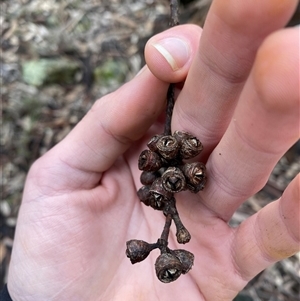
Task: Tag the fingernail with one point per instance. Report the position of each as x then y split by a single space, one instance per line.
174 50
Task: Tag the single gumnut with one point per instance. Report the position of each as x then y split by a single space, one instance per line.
160 194
138 250
149 161
186 258
183 235
145 195
152 144
168 267
195 174
148 198
173 180
190 146
167 146
148 177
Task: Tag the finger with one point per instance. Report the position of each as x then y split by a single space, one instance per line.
120 118
170 53
270 235
231 36
264 126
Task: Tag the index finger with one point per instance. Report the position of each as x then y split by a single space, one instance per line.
231 36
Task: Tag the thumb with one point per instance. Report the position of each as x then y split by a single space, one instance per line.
116 120
169 54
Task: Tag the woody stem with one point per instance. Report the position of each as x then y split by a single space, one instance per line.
174 20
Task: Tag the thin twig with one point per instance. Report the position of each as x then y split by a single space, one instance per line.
169 110
163 240
166 230
174 20
174 13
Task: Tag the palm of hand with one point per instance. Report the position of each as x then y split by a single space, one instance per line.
82 235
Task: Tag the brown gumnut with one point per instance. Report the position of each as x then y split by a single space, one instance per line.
138 250
167 146
149 161
190 146
147 197
195 174
168 268
152 144
173 180
186 258
160 194
144 195
148 177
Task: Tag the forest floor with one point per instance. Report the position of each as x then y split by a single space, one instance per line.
57 58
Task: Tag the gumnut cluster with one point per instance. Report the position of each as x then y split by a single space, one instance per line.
165 173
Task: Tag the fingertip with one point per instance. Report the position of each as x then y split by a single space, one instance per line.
170 53
276 71
234 13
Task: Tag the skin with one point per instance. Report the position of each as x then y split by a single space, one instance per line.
241 98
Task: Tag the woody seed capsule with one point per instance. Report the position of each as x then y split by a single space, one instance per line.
144 195
149 199
195 174
168 267
152 144
149 161
173 180
186 258
138 250
148 177
167 146
160 194
190 146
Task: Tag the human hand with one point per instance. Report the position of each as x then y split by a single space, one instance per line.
240 98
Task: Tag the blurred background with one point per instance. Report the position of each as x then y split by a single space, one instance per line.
57 58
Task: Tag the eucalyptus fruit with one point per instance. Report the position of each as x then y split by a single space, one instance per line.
165 173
